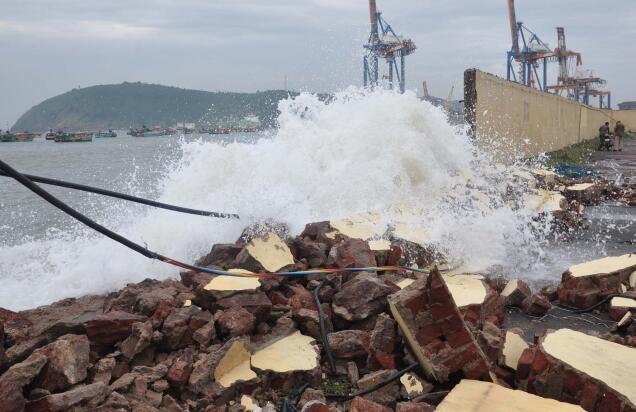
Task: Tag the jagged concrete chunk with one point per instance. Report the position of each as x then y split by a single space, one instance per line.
295 352
515 292
361 226
585 284
476 396
234 366
466 289
271 252
575 367
514 345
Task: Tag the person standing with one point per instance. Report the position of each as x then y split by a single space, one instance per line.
603 132
619 132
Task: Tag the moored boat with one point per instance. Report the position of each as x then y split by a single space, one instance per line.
24 137
109 133
154 132
7 137
61 137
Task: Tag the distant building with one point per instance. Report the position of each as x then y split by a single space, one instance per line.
627 106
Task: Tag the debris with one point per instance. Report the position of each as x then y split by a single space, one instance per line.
414 385
362 405
87 396
233 283
471 395
349 344
67 363
514 345
568 365
295 352
435 330
269 252
585 193
362 296
234 366
536 305
619 306
515 292
585 284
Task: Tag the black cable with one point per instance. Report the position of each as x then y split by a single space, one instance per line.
123 196
378 385
594 306
323 330
87 221
289 405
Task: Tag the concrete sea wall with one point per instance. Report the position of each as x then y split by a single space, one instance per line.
512 120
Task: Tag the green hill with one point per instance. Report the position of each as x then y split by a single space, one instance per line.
121 106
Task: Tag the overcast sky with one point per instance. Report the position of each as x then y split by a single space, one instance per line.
51 46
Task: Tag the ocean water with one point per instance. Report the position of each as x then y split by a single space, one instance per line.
364 151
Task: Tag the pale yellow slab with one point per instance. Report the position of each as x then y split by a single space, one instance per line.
235 366
618 302
404 283
295 352
514 345
411 233
477 396
609 362
360 226
271 252
379 245
466 289
544 201
230 283
580 186
605 265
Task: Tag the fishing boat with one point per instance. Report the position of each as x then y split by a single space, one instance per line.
109 133
7 137
61 137
24 137
154 132
50 135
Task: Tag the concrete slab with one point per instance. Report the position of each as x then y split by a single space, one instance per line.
605 361
476 396
603 266
271 252
295 352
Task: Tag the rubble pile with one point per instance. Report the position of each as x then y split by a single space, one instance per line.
397 339
330 342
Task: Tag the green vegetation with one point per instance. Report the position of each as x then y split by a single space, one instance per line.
336 386
578 154
121 106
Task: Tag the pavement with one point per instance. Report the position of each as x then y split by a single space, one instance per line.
617 165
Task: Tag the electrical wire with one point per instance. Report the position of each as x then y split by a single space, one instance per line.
379 385
123 196
323 330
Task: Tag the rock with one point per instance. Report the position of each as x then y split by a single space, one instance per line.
161 385
235 321
86 395
305 312
15 326
362 405
587 283
551 292
104 370
513 347
221 256
536 305
315 253
258 304
180 325
311 394
436 332
414 407
349 344
23 373
352 253
361 297
574 367
385 395
105 330
515 292
11 398
383 343
138 340
491 341
619 306
169 404
179 372
67 363
147 302
205 334
315 406
472 395
268 253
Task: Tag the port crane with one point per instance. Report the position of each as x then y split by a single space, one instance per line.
532 54
384 43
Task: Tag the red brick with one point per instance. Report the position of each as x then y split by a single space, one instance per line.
477 370
609 402
440 311
450 325
589 396
459 339
427 334
524 365
540 363
572 383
